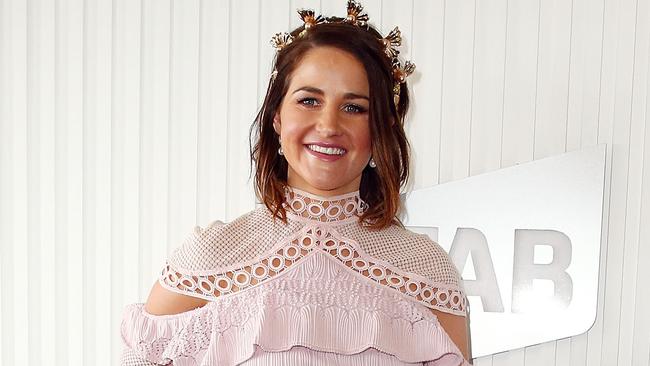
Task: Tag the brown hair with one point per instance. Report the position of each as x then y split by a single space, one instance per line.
380 186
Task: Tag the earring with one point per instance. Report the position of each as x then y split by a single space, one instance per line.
372 163
280 151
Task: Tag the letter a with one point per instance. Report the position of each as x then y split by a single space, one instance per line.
472 240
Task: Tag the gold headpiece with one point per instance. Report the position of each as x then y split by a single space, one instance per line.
309 18
280 40
357 17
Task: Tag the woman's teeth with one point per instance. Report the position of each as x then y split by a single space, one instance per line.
326 150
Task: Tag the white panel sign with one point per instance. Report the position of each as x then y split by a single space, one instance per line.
527 242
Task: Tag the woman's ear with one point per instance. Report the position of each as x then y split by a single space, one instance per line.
276 123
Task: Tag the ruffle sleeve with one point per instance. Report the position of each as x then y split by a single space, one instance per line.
163 338
158 339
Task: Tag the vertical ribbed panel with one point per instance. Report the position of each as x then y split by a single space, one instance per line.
488 86
124 157
456 103
154 33
124 123
550 113
6 223
97 84
213 111
243 50
582 123
183 116
13 108
154 138
424 123
68 187
615 128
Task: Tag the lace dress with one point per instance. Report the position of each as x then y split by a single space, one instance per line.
320 290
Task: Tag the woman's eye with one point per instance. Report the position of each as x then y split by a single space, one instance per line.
310 102
353 108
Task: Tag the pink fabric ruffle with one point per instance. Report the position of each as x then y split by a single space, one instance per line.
319 305
190 338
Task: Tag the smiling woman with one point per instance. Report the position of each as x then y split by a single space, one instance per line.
346 78
324 273
324 130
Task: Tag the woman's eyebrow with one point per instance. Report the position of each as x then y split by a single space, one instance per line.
309 89
355 96
314 90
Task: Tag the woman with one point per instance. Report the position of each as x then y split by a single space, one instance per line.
323 273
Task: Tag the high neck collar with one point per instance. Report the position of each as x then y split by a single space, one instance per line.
325 209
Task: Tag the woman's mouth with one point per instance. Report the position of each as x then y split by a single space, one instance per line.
326 153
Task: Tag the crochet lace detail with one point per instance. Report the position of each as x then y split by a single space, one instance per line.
217 284
311 207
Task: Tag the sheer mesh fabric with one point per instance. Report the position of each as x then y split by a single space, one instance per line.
221 245
407 250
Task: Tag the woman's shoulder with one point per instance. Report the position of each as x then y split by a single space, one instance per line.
407 250
223 244
394 239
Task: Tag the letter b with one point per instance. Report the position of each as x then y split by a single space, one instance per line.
525 270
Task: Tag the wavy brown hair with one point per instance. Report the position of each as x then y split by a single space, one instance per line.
380 186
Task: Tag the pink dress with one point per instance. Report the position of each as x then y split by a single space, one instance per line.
322 289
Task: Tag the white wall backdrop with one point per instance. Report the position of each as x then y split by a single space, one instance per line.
125 122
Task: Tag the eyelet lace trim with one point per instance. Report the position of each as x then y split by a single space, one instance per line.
418 288
330 209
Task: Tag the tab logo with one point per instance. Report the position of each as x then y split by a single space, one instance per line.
526 240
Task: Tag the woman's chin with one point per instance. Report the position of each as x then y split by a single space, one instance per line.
329 187
321 181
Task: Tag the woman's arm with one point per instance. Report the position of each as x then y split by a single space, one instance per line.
144 330
457 327
162 301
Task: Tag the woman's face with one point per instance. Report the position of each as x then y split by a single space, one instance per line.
323 123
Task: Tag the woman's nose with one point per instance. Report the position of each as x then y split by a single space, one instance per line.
328 122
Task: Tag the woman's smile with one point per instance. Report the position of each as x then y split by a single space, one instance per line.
325 152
